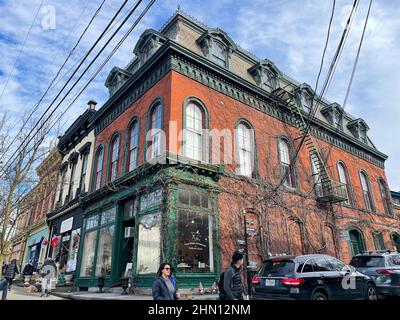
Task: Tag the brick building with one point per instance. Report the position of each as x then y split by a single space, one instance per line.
158 193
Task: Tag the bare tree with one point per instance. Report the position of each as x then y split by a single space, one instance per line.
17 177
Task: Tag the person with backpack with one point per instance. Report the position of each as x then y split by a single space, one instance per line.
230 285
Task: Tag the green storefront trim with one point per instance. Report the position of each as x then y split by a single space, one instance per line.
206 181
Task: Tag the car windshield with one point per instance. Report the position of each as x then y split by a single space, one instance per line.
368 261
277 268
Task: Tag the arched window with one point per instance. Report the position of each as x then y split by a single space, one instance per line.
245 147
396 241
114 152
379 243
133 145
194 121
366 191
287 171
345 182
98 169
356 241
155 133
384 195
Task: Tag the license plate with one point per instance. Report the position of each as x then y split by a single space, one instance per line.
270 282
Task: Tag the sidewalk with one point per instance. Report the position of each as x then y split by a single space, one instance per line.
20 293
117 296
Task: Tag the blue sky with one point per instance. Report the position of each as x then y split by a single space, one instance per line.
290 33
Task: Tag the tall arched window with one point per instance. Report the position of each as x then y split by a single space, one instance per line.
114 152
194 122
285 164
133 145
245 149
384 195
356 241
344 180
98 167
366 191
379 243
155 133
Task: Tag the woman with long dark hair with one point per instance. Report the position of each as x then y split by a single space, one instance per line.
164 285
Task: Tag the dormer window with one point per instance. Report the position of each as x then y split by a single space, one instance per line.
218 53
304 96
116 78
267 80
148 51
216 46
359 129
265 75
334 114
306 102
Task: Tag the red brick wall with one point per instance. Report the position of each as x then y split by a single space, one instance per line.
295 220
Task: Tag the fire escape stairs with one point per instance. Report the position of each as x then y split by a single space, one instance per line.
327 190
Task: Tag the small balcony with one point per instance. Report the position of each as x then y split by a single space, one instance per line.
330 191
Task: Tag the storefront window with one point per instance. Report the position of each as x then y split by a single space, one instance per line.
73 250
88 253
149 243
104 254
193 241
108 216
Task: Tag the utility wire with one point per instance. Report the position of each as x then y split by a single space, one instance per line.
54 78
20 51
83 88
102 49
357 56
69 79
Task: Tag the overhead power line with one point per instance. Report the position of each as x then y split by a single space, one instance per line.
35 107
64 86
357 56
20 51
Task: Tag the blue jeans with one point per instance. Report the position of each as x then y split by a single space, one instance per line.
4 289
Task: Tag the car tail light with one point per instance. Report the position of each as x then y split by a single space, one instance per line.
276 259
293 282
256 280
385 272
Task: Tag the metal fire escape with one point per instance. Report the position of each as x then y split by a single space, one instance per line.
327 190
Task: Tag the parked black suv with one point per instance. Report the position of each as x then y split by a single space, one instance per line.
381 266
314 276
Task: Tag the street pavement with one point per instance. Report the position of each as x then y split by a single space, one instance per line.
20 293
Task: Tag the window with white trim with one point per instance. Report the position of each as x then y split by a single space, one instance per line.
156 134
285 163
194 132
366 191
99 168
114 158
218 53
245 150
343 178
133 146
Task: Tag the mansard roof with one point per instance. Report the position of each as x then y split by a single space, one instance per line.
145 36
113 73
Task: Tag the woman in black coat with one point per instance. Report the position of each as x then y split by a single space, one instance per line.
164 285
10 271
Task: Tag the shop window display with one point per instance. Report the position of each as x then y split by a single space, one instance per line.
149 239
104 254
88 254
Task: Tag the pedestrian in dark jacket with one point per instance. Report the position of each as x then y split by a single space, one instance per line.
164 285
233 285
3 289
10 272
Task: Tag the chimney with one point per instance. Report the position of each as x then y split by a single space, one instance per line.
92 105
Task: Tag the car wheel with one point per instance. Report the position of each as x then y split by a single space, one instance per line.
319 296
371 293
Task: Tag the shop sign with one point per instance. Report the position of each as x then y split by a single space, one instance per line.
66 225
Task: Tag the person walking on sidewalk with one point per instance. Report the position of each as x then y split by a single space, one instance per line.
164 285
46 284
10 272
4 288
233 285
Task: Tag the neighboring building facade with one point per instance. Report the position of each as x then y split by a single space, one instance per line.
65 218
179 197
41 200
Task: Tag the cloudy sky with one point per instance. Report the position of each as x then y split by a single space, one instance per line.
290 33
